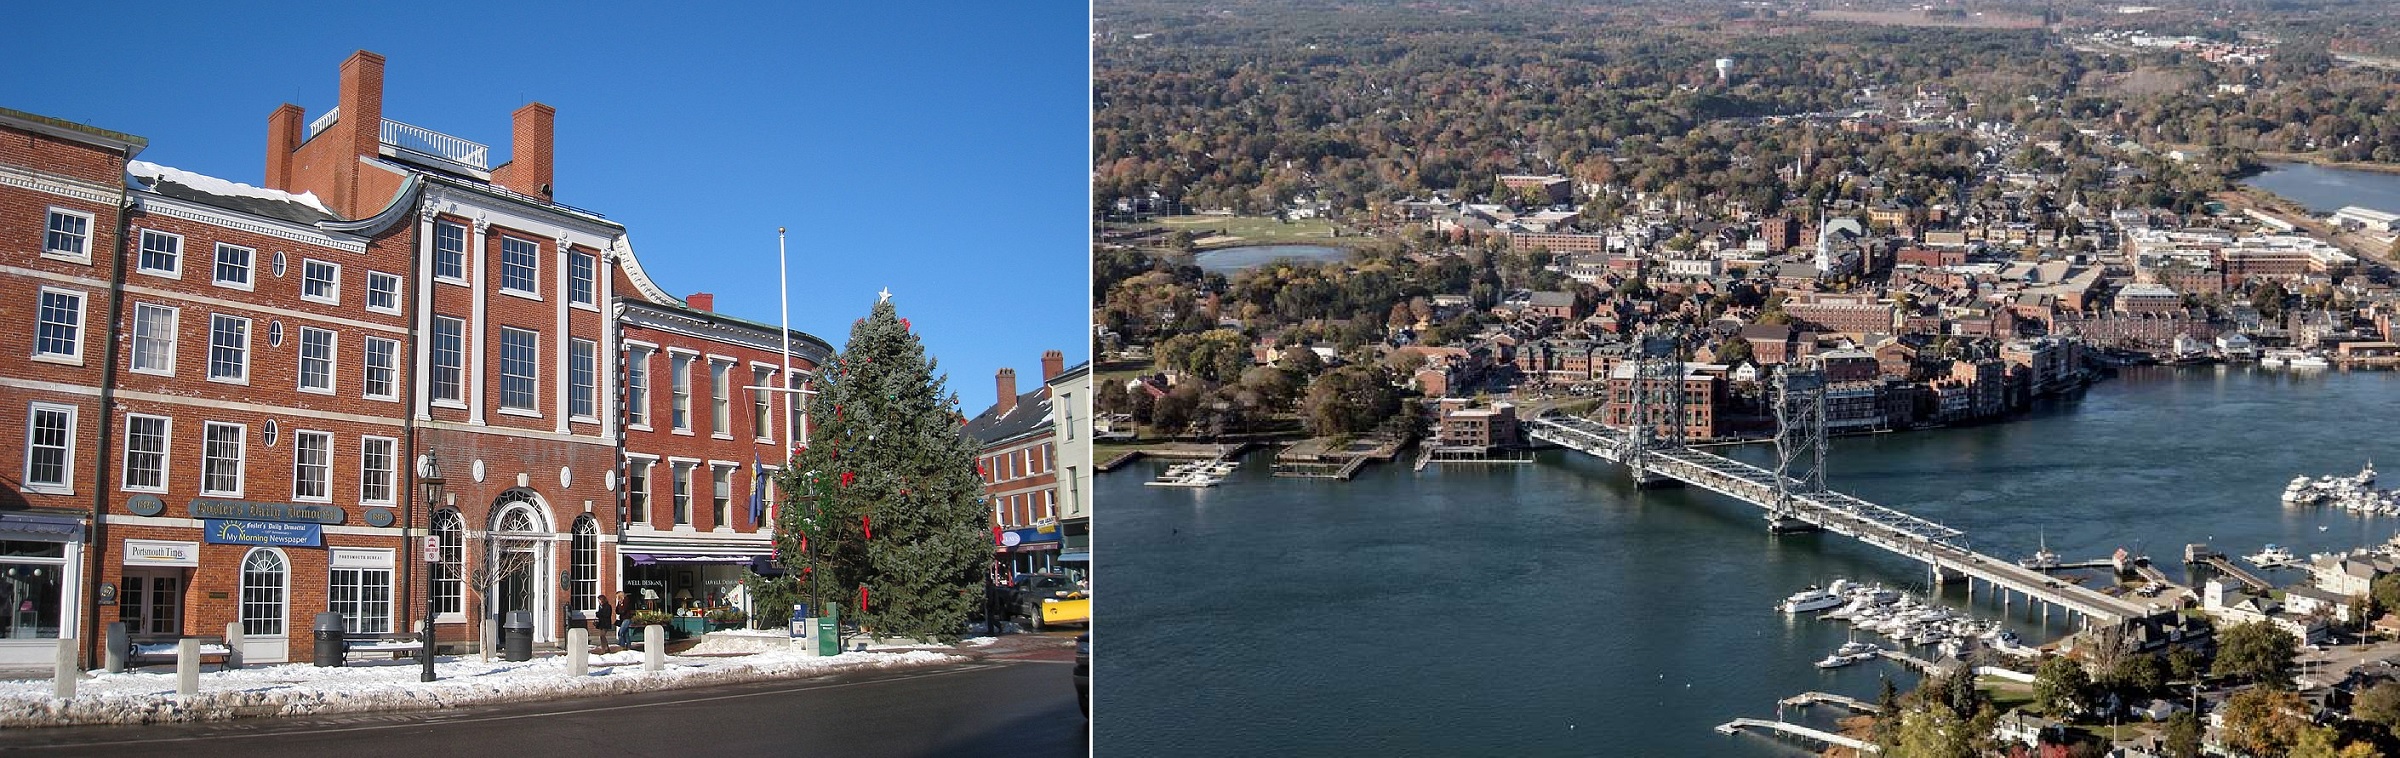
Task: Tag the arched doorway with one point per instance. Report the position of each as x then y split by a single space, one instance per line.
266 606
518 570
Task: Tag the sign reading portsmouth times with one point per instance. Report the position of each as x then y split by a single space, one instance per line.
264 533
255 511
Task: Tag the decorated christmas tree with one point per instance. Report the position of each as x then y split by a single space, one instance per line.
882 512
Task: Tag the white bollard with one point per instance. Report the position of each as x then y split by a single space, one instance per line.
233 644
491 636
654 647
579 652
67 672
187 667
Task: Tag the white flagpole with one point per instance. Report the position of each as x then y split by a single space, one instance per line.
783 281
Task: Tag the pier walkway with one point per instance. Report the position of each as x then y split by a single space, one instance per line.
2225 566
1797 730
1806 699
1939 546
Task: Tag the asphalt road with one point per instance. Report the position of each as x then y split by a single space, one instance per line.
1020 706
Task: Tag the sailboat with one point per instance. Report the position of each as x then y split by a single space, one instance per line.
2043 558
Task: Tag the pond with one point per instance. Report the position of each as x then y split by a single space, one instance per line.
1236 259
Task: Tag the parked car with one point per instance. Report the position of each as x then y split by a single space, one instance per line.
1083 673
1029 590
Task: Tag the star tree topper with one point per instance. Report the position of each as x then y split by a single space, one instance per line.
884 296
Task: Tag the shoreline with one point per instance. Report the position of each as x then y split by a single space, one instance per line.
2321 161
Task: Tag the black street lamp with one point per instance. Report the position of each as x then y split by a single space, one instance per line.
429 474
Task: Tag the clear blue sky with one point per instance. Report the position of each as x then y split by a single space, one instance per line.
939 149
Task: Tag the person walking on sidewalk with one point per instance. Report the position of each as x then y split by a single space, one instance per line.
604 621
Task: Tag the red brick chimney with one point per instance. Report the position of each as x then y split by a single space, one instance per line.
1053 363
702 301
328 165
529 168
283 137
1008 390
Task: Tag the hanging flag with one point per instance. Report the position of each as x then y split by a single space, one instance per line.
758 494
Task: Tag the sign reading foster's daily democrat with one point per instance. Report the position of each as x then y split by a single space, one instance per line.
255 511
263 533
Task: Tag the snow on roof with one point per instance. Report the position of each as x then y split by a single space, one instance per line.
152 172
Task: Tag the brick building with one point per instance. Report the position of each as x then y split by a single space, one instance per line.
291 359
1019 465
705 431
61 188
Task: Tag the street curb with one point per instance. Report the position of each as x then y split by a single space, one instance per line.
155 708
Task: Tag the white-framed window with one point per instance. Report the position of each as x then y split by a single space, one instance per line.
637 492
583 357
449 340
683 493
221 459
376 456
50 449
154 338
312 466
383 369
146 440
265 585
679 379
520 355
583 565
364 598
762 403
520 266
722 500
383 292
161 255
583 276
449 585
58 333
316 360
68 235
450 252
320 281
233 266
720 399
637 389
228 348
275 264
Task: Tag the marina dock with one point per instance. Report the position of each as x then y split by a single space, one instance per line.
1788 728
1806 699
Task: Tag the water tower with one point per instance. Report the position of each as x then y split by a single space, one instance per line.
1724 70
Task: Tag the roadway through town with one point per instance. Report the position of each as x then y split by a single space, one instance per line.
1016 705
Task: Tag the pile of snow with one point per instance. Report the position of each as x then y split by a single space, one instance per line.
300 689
151 173
741 641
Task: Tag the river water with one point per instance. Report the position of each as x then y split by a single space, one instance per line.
2323 189
1553 609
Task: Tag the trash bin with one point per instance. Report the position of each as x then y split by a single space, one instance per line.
516 636
329 639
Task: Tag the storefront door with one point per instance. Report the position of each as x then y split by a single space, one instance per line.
152 602
516 591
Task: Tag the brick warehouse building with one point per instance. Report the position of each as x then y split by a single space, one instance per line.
283 354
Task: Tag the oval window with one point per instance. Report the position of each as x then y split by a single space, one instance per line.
275 334
278 265
267 432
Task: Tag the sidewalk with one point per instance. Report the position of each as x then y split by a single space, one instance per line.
293 689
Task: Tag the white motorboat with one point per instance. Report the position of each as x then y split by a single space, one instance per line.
1811 599
2308 360
1858 648
2275 556
1838 660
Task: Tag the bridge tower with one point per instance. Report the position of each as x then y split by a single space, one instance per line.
1799 397
1655 417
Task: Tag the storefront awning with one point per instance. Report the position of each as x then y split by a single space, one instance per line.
645 559
41 527
1077 556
